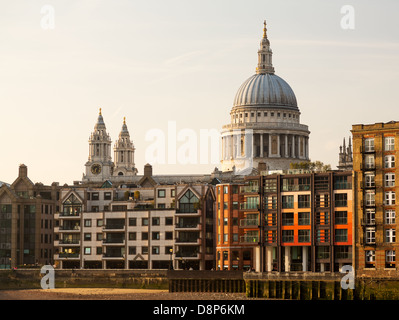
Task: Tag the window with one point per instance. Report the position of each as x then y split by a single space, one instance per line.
132 222
369 145
288 235
390 198
225 237
132 250
87 250
172 192
303 218
87 236
370 256
235 205
161 193
95 196
188 202
132 236
390 259
287 218
304 201
370 216
369 161
288 202
99 250
168 221
389 143
155 249
156 221
99 237
341 217
369 180
390 235
155 236
390 216
87 222
369 198
341 235
144 221
390 179
168 235
144 250
303 235
225 189
341 199
370 235
161 206
235 237
144 236
107 196
390 161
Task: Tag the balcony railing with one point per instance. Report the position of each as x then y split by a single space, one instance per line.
69 241
249 222
249 239
68 255
342 185
249 206
249 189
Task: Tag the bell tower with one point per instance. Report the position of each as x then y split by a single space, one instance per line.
99 165
124 154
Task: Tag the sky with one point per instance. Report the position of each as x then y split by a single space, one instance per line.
181 62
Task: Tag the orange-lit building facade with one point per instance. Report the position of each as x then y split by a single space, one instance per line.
286 222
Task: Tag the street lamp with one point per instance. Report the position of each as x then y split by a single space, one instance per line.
171 264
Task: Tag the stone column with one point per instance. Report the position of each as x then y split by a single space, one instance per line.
261 145
293 146
278 146
287 258
270 145
286 146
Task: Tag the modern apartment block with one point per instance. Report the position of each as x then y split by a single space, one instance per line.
375 152
286 222
26 222
147 225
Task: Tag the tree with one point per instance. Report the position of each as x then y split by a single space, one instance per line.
316 166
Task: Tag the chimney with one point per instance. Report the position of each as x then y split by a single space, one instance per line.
23 171
148 170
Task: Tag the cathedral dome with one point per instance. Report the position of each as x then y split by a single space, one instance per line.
266 90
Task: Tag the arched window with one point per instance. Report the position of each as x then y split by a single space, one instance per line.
120 174
188 202
72 206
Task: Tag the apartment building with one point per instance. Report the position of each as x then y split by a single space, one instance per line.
26 221
286 222
159 226
376 150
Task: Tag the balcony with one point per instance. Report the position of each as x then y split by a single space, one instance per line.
249 206
69 228
249 239
192 211
114 228
69 214
188 226
67 241
249 223
367 222
64 255
342 185
249 189
114 242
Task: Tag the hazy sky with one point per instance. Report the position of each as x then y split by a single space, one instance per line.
182 61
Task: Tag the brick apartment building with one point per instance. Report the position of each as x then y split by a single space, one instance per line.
375 152
285 222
